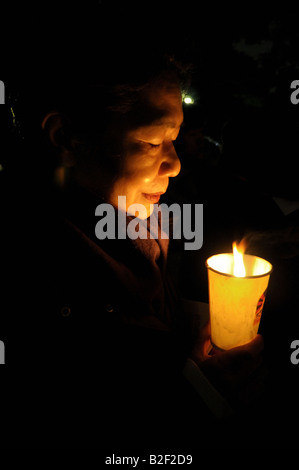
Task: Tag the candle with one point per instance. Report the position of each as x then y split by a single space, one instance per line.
237 290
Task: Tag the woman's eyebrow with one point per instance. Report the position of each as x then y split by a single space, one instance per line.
165 122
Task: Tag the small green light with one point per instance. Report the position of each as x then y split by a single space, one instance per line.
188 100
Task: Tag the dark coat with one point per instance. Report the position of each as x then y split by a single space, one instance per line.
84 356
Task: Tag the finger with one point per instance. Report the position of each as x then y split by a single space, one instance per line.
205 332
254 348
244 359
203 345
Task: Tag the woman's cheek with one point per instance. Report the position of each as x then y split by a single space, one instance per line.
149 170
141 176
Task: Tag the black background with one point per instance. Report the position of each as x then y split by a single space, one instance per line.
244 61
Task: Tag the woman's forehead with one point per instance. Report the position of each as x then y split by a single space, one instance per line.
162 108
170 121
165 97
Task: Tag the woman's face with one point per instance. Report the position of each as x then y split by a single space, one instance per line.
148 157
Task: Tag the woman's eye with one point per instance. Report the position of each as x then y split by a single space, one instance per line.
154 146
150 146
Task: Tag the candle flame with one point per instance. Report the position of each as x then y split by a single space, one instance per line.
239 268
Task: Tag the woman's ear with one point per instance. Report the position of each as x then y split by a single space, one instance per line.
56 126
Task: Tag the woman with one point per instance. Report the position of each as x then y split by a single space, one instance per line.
109 330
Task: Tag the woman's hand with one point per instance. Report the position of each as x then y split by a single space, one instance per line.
238 373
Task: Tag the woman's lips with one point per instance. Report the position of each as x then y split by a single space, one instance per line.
153 197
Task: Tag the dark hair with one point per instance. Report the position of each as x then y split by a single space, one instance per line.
108 95
113 90
92 83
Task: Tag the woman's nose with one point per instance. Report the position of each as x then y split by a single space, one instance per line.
171 165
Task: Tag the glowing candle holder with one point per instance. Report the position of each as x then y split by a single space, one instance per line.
237 290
